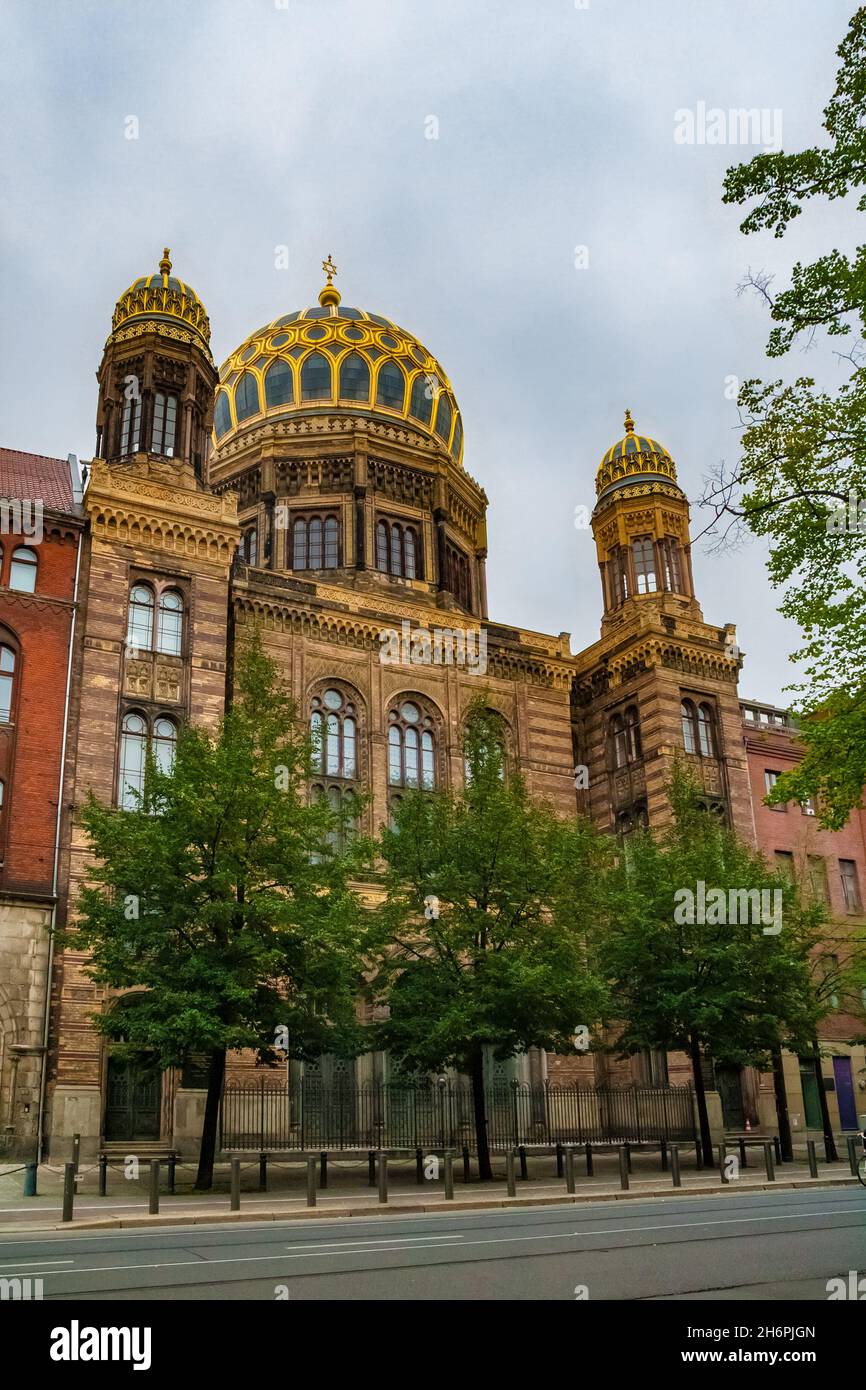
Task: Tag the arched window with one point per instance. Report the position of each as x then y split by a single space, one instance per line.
354 378
458 576
619 580
299 545
278 383
458 438
689 717
164 424
411 747
334 736
331 543
222 416
130 424
246 397
169 629
409 553
421 400
643 554
618 740
391 386
396 549
632 734
706 731
671 567
316 378
443 418
7 684
139 625
22 571
498 742
382 546
250 545
164 743
133 748
316 543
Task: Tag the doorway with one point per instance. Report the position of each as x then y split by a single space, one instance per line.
132 1100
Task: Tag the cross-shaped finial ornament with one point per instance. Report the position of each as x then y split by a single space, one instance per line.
329 268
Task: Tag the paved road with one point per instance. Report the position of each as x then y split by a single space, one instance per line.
767 1245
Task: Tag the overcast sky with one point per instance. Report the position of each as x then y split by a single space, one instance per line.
306 124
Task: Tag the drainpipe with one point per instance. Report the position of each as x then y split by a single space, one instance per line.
56 875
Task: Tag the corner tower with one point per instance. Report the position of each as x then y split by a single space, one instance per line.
661 682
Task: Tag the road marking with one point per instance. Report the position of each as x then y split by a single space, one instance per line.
312 1252
371 1240
14 1264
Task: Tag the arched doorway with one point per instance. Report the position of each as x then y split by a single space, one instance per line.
133 1091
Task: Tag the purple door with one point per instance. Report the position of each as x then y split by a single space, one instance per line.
845 1092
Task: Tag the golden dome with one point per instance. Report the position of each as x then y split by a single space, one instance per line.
334 357
163 298
632 459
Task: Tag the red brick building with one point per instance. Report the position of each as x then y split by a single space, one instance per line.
41 530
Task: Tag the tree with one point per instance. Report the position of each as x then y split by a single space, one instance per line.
488 922
220 899
692 968
801 480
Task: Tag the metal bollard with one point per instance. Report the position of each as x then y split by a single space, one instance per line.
589 1160
675 1165
172 1172
627 1148
664 1154
76 1150
778 1148
723 1154
383 1177
103 1175
569 1170
467 1172
419 1167
323 1170
524 1174
263 1172
768 1161
559 1168
449 1177
371 1168
853 1157
311 1180
30 1173
509 1173
235 1201
68 1190
743 1163
623 1167
153 1204
813 1157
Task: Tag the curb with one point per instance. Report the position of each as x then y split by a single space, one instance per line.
253 1214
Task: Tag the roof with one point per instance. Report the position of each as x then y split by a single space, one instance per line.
36 477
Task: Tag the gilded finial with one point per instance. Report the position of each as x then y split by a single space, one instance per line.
165 263
330 294
629 422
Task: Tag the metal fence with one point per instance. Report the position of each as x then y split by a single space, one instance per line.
312 1115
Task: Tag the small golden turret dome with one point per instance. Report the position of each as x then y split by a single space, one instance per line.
163 298
632 459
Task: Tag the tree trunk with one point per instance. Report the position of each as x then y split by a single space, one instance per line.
479 1107
786 1147
829 1140
204 1177
701 1098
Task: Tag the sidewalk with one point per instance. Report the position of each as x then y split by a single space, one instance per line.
349 1194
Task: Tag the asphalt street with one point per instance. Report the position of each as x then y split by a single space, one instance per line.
762 1246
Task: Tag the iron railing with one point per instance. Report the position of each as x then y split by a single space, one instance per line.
439 1114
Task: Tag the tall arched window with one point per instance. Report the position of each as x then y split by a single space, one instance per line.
130 424
421 400
689 717
331 543
671 566
458 576
139 625
616 731
334 735
443 418
7 684
164 743
22 571
411 747
169 632
458 438
391 386
619 579
632 733
222 416
398 550
299 545
315 543
133 749
246 397
706 731
278 383
382 546
164 424
354 378
643 555
250 545
316 378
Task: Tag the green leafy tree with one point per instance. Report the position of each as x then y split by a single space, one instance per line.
220 899
732 990
801 481
488 923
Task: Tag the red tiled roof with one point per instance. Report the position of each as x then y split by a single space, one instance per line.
36 477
